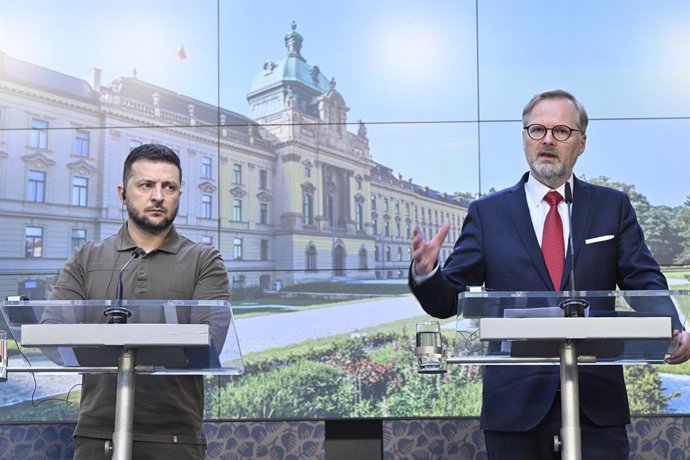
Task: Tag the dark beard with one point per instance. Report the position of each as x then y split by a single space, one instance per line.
147 226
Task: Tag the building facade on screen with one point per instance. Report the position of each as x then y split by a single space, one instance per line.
290 193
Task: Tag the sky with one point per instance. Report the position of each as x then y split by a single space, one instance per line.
440 83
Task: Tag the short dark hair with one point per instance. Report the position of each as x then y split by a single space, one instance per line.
582 119
151 152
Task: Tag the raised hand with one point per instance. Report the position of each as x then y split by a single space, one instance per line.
425 253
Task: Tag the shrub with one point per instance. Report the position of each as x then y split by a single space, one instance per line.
304 390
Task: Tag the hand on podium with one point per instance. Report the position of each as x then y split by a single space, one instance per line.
682 351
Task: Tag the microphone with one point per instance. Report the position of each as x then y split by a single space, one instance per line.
572 307
117 314
118 290
569 201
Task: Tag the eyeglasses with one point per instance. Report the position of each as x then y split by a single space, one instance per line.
559 132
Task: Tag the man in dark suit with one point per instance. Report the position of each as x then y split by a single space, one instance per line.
501 248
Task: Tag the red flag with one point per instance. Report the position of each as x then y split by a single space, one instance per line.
181 53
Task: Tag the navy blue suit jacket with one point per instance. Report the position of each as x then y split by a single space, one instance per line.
498 248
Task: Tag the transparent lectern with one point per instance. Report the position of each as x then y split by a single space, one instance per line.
150 337
615 327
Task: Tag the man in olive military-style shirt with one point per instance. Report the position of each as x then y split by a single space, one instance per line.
168 410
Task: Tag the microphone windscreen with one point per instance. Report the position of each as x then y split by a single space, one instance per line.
568 193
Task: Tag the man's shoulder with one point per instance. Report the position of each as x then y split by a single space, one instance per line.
194 247
602 191
493 198
91 246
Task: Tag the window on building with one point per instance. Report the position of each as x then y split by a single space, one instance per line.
307 171
207 240
386 228
39 134
311 258
263 179
359 217
78 238
307 209
238 282
33 242
36 186
375 227
237 173
329 209
263 213
385 205
397 208
237 248
388 253
82 141
206 168
359 184
398 231
373 202
363 265
264 249
80 191
206 206
237 210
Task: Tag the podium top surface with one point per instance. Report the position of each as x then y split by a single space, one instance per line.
625 327
171 336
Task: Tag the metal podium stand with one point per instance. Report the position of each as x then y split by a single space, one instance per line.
161 337
619 327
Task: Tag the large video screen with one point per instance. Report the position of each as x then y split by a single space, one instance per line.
314 137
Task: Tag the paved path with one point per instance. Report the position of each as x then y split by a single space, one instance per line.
259 333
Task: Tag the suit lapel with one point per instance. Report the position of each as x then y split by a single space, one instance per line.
519 212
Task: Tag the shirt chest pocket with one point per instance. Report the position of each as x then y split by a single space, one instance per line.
101 280
170 282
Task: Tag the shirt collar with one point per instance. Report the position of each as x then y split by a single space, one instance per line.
535 190
171 244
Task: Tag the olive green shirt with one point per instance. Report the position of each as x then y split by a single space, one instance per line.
166 408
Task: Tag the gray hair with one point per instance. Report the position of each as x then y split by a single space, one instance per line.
582 119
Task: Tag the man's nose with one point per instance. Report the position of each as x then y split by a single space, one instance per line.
157 193
548 137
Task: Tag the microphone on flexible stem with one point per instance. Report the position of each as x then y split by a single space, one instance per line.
117 314
571 306
569 202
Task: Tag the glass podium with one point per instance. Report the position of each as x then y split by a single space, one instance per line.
531 328
153 337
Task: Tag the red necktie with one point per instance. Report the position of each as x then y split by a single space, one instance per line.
552 240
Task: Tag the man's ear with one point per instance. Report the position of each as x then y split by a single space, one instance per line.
583 144
122 193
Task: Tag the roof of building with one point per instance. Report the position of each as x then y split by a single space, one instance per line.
384 174
12 69
292 68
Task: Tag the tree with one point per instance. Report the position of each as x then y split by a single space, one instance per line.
664 235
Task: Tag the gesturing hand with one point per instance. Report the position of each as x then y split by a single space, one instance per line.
425 253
